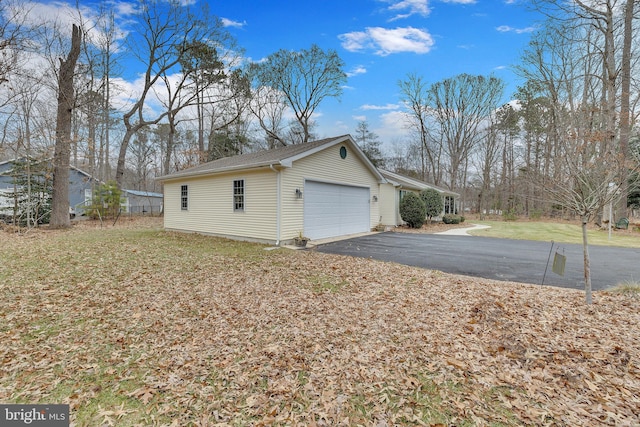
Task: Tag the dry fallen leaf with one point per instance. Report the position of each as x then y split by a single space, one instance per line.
254 337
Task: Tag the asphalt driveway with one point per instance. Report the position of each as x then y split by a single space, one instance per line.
500 259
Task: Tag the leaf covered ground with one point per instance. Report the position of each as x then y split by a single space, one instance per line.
131 325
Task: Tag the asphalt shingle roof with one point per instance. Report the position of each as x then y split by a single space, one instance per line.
413 183
249 160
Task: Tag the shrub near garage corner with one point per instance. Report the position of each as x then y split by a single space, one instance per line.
413 210
452 219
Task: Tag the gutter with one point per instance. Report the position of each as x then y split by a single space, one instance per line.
277 203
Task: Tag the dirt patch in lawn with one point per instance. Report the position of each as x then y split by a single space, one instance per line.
137 326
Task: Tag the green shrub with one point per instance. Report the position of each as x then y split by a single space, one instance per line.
509 215
452 219
535 214
433 202
105 202
413 210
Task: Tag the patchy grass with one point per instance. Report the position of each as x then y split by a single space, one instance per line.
137 326
322 283
556 231
627 288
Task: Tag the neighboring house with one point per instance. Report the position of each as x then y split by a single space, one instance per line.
142 202
80 186
319 189
397 186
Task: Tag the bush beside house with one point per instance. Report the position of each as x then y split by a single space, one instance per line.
433 202
413 210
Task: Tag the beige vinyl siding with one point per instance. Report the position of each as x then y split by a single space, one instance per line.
325 166
389 205
211 209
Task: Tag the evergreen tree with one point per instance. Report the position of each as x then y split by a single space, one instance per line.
369 144
413 210
106 201
433 202
33 184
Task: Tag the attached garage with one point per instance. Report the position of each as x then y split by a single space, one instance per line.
335 210
321 189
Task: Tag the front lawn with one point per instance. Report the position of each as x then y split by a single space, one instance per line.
136 326
564 232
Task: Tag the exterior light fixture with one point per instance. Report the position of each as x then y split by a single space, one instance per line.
298 193
375 198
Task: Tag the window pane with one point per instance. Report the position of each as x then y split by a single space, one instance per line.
238 195
184 197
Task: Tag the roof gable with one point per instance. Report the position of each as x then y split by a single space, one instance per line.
283 157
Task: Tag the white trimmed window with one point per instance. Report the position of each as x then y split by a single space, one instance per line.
88 196
238 195
184 197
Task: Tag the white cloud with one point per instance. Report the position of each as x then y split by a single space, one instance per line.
340 127
231 23
393 126
460 1
357 70
387 41
359 118
508 29
380 107
65 14
409 7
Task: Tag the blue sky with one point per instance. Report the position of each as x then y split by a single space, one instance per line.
382 41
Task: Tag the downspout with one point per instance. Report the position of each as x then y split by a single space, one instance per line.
278 203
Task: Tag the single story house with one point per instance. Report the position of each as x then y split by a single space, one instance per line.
142 202
319 189
397 185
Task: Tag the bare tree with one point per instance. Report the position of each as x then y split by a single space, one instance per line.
460 107
15 36
268 106
107 39
604 32
625 92
304 78
66 104
414 92
592 178
487 161
163 42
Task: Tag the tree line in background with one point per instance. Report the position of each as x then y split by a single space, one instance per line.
565 143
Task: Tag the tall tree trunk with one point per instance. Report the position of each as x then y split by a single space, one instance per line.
61 158
587 261
625 113
170 146
124 145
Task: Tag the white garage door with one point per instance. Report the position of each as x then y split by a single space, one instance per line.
335 210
